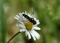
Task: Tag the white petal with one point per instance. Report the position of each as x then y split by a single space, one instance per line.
25 12
36 28
30 15
23 18
22 30
33 35
16 17
28 34
20 25
37 21
36 34
20 14
19 18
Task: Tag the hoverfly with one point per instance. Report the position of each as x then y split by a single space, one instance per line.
30 19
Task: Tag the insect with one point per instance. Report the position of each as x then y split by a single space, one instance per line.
30 19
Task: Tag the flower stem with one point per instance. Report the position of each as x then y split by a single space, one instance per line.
13 36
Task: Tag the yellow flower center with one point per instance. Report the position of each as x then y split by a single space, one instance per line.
28 25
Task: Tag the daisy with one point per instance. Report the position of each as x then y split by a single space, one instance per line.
28 24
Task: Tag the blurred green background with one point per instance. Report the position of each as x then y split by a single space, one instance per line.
47 11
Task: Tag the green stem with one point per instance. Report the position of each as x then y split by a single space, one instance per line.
13 36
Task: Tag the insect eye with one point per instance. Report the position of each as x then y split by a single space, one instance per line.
24 15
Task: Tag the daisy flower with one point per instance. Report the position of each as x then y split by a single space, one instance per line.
28 24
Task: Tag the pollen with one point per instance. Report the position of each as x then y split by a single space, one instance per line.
28 25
